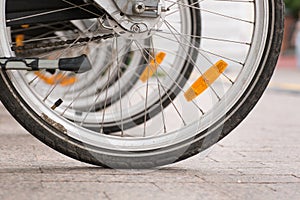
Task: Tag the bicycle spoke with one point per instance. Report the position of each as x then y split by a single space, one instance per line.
106 85
193 61
119 84
81 7
158 86
207 11
204 38
63 52
204 51
175 82
175 107
201 51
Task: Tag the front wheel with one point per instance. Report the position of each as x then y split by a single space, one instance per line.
197 94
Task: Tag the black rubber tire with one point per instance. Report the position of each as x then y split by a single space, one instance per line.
147 159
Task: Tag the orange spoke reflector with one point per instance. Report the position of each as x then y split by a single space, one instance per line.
208 78
20 40
68 81
152 67
57 79
25 26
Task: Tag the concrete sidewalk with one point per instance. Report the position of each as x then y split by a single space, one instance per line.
259 160
286 80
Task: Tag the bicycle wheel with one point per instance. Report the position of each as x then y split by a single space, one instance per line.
82 104
182 105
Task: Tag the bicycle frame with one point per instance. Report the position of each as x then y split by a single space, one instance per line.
19 9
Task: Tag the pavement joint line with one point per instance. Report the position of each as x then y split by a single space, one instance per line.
295 176
106 195
157 186
271 188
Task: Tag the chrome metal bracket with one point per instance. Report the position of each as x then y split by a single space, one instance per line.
131 17
141 8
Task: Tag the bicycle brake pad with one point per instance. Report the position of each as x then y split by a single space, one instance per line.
78 64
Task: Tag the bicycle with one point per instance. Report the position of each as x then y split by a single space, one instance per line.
139 83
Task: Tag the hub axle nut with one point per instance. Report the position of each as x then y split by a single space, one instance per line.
139 7
136 28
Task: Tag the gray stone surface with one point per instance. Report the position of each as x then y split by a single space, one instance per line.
258 160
